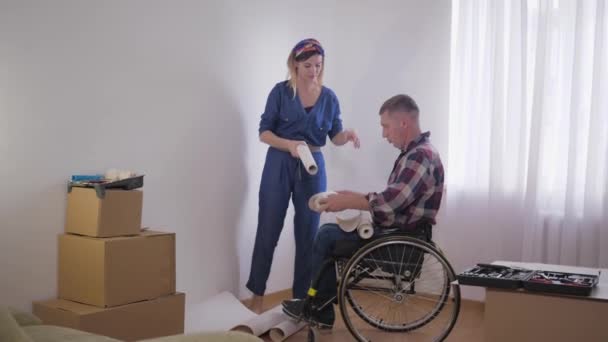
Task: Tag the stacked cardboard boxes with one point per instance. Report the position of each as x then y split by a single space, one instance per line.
113 278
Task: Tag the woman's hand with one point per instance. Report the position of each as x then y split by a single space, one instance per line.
292 147
346 136
352 136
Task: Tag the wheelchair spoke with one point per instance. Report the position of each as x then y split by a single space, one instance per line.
374 259
376 293
423 298
417 275
402 256
440 281
376 303
409 257
362 274
377 267
390 258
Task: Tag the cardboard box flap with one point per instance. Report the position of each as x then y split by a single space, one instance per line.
149 233
74 307
143 234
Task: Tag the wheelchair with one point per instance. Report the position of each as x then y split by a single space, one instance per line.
396 286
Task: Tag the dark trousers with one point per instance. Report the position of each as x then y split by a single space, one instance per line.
284 177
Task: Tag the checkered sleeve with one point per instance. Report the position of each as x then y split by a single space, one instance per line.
410 179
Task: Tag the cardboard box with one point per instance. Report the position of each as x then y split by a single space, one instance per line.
523 316
518 315
153 318
118 213
115 271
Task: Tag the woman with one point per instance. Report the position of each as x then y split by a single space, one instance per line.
298 111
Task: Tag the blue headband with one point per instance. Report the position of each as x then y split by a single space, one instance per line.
306 45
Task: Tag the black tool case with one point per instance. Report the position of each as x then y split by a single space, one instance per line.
100 186
560 282
497 276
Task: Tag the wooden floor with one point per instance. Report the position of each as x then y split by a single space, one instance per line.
469 327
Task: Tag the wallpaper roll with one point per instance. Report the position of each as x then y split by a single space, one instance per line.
365 230
307 159
348 219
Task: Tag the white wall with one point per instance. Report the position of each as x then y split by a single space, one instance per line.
174 89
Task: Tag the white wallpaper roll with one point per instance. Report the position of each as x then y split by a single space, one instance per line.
348 219
307 159
365 230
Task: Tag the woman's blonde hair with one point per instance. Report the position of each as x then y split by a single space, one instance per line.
304 50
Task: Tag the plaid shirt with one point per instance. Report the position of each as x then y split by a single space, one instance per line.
414 190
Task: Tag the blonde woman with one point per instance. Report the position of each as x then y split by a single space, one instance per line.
298 111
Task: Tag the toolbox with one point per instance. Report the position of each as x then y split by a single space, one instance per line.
497 276
505 277
560 282
100 185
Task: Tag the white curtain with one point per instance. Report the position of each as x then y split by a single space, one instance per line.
527 173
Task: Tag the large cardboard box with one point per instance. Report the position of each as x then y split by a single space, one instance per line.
153 318
523 316
117 213
115 271
518 315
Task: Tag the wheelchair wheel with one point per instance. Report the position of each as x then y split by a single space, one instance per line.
395 285
313 334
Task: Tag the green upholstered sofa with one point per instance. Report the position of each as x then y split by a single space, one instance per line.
17 326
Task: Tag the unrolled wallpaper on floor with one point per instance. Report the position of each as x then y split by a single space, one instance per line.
225 312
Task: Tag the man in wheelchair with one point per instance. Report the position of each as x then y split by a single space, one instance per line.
409 204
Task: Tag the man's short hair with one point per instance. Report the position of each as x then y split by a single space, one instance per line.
399 103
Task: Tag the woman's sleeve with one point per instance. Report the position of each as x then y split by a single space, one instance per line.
269 119
336 125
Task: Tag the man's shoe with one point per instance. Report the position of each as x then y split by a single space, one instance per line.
324 318
294 308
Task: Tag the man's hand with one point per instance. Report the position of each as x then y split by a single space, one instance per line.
333 203
344 200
